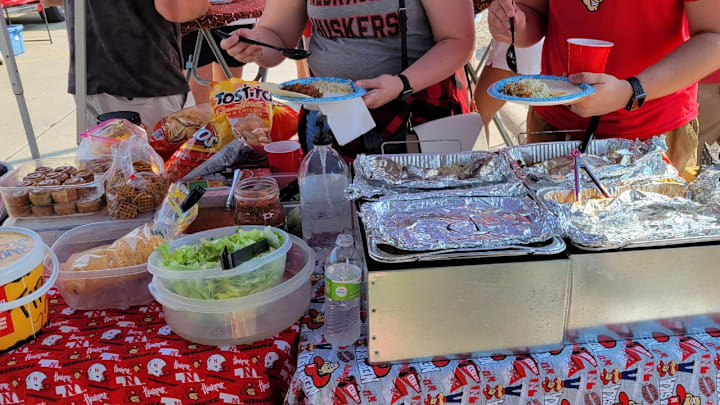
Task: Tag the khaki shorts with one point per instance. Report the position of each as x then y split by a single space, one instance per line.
151 109
682 142
709 113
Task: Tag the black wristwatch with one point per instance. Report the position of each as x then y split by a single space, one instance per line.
638 98
407 90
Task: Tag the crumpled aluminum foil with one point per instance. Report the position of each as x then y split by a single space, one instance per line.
377 175
612 160
635 216
705 188
458 223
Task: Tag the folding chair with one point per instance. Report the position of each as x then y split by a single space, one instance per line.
45 20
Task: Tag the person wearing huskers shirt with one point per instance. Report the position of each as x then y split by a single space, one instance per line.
134 55
651 45
361 41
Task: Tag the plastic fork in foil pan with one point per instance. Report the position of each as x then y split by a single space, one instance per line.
653 214
614 160
378 175
465 223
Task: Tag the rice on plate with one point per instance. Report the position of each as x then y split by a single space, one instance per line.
529 88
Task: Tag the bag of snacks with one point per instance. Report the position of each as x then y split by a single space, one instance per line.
200 148
248 107
136 182
284 123
99 140
172 131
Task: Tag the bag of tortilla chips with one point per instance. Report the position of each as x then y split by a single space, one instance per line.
240 101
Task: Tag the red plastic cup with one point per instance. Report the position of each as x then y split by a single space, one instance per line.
587 55
284 156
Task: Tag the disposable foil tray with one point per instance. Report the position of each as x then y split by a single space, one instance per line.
422 227
648 215
550 164
378 175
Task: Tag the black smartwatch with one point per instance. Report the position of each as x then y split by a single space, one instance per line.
407 90
638 97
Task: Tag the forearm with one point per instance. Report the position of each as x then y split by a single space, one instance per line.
438 63
690 62
535 28
270 57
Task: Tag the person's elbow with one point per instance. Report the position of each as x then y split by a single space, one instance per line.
179 11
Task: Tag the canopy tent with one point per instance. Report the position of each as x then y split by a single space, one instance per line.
16 84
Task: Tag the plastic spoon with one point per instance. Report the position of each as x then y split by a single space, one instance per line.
290 53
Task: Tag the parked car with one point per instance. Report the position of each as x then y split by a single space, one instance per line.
54 14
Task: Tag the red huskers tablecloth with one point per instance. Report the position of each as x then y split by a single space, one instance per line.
221 15
673 364
132 356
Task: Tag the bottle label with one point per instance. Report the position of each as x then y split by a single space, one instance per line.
341 291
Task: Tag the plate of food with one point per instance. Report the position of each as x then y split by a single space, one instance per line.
539 90
315 90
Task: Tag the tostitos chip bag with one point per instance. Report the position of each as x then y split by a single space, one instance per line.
239 99
204 144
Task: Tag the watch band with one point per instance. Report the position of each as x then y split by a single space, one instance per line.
407 90
638 97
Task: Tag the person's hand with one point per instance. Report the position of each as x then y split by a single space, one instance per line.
499 14
239 50
611 94
381 90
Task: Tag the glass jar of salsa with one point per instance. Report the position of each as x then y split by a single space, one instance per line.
257 202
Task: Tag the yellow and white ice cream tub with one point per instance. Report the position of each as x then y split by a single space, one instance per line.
23 307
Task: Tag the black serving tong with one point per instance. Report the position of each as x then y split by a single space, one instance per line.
510 56
231 260
290 53
589 133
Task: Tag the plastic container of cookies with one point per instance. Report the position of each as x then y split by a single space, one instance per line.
54 187
100 289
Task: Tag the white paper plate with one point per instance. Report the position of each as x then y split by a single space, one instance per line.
556 84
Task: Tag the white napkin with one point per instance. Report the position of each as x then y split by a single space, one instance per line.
348 119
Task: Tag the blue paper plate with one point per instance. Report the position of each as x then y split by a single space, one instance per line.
358 92
555 83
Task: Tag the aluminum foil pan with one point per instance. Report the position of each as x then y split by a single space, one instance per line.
435 224
706 187
377 175
386 254
654 214
613 161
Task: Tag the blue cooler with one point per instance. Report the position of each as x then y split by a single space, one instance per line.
16 38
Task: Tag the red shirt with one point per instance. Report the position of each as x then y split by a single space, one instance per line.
713 78
643 31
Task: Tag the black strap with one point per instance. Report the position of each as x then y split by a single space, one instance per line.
402 12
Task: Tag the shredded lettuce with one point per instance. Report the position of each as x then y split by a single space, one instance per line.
206 255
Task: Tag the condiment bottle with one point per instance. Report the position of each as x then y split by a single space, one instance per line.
257 202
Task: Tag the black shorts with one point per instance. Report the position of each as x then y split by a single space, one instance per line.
206 55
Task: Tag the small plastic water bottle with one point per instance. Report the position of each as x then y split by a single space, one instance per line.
343 281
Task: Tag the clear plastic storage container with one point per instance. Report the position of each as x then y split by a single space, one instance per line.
54 187
253 276
100 289
246 319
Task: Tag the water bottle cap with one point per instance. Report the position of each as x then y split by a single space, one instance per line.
344 240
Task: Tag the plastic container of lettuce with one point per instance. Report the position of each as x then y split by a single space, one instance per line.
184 269
233 321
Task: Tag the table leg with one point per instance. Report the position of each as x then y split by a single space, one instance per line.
216 51
192 64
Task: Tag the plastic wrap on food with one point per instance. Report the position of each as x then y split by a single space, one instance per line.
613 160
377 175
654 214
706 187
458 223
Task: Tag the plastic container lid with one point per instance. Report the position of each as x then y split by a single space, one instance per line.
180 303
156 268
21 251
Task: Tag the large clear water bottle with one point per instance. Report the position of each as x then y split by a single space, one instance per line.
323 177
343 281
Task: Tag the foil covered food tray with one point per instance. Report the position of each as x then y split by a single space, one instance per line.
436 224
639 215
613 160
378 175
